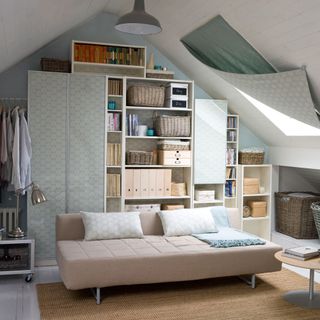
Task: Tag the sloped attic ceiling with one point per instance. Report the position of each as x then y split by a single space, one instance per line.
285 31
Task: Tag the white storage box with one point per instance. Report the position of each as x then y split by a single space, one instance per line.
176 89
204 195
143 208
174 102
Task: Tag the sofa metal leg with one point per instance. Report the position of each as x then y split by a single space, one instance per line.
250 280
96 293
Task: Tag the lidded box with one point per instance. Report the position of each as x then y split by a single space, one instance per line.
258 208
251 185
204 195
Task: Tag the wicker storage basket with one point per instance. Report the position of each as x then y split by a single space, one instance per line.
178 189
173 145
14 258
139 157
316 215
55 65
149 96
251 157
294 215
173 126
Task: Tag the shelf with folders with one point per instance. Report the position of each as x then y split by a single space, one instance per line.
140 134
232 161
107 58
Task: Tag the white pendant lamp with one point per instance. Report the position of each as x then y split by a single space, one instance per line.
138 21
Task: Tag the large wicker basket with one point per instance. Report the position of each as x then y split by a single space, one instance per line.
251 157
139 157
173 126
294 216
148 96
55 65
316 215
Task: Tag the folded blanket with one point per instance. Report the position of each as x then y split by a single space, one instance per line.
228 237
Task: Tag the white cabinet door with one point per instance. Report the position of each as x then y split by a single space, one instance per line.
210 141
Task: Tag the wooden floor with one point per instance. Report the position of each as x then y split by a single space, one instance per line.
18 299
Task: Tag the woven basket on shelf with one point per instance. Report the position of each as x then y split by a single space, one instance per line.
315 206
55 65
173 145
173 126
148 96
251 157
294 215
139 157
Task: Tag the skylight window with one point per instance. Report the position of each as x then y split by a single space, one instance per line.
288 125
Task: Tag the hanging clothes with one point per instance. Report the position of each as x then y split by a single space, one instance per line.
15 179
25 152
8 165
3 151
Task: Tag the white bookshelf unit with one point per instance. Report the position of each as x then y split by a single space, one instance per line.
231 186
146 115
260 226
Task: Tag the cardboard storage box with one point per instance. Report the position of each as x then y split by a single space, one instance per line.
204 195
172 206
251 185
174 158
258 208
143 208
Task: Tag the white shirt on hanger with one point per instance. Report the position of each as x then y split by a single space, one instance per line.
25 152
15 179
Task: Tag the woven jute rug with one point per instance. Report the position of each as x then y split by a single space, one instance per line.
223 298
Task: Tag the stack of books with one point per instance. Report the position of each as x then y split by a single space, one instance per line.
115 87
113 122
301 253
231 155
230 189
132 124
113 185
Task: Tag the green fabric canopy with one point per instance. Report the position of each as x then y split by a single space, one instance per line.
219 46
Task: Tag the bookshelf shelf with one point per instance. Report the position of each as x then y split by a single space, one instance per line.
157 109
158 137
157 198
154 166
113 166
114 131
109 65
251 219
115 96
114 111
209 202
257 195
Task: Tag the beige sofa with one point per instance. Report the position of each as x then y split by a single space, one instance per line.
153 259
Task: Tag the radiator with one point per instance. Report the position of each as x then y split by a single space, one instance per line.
7 218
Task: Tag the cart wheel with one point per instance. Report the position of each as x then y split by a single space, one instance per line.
28 278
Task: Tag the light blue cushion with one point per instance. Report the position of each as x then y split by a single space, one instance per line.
220 216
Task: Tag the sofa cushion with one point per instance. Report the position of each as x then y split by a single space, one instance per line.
111 225
187 221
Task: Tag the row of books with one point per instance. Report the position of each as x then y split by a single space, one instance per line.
115 87
230 189
113 185
113 154
232 122
231 173
232 136
132 124
231 156
301 253
113 121
108 54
